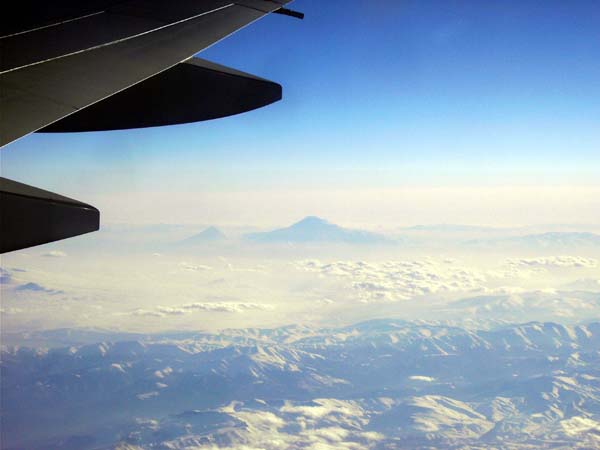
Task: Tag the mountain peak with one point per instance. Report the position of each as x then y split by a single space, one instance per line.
310 220
213 231
210 234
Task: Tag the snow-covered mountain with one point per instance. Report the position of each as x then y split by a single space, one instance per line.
315 229
377 384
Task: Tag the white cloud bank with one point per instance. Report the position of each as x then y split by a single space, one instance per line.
54 254
554 262
399 280
220 307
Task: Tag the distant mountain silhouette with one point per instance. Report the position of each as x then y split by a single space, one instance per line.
567 239
451 228
563 240
315 229
209 235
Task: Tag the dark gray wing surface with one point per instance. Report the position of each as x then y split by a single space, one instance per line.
32 216
124 45
191 91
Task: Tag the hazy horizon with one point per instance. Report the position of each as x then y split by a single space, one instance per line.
155 278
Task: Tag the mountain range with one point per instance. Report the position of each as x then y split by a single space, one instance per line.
379 384
551 240
315 229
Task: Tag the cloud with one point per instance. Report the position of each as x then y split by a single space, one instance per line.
54 254
228 307
224 307
35 287
325 302
421 378
147 395
163 373
147 313
5 276
170 311
193 267
554 262
527 268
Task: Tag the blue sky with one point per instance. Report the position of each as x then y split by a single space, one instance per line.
379 94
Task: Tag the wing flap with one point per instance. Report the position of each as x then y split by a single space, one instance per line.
192 91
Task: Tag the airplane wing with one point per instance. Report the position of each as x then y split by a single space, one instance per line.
56 70
112 64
